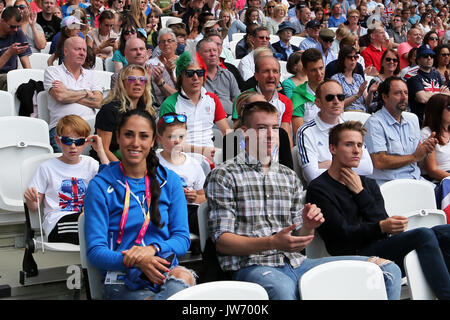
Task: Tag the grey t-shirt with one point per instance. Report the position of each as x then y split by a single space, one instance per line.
30 37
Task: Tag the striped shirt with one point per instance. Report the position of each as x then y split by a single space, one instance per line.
244 200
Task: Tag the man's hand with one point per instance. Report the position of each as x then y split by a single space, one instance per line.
426 147
394 224
351 180
285 241
191 195
312 216
15 49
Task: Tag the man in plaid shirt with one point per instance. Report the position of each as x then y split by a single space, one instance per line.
257 219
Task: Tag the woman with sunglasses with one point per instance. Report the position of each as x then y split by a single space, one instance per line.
425 22
431 39
437 119
116 5
136 218
390 66
353 83
32 30
442 61
132 91
203 109
128 31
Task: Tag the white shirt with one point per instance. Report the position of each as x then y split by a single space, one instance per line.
246 66
313 148
442 151
54 179
86 80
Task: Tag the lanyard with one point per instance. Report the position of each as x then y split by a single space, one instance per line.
126 208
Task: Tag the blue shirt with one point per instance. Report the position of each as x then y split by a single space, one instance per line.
309 43
333 22
351 89
386 134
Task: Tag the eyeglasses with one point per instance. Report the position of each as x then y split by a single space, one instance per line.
128 32
330 97
120 2
397 20
171 118
215 30
190 73
132 79
169 41
355 57
20 6
395 60
353 16
433 38
263 38
327 39
69 141
271 7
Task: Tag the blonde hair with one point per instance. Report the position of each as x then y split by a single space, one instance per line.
120 94
241 101
137 14
74 122
342 31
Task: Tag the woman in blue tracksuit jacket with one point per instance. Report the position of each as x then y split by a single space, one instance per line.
128 254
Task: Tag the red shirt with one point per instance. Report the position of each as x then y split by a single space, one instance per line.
372 56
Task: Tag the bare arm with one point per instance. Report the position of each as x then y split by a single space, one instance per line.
106 141
297 122
92 100
432 168
223 126
25 61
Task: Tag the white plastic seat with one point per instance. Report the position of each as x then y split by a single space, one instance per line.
47 47
91 274
7 108
343 280
405 195
296 40
109 64
105 80
38 60
16 77
284 74
20 138
222 290
237 36
233 47
356 116
274 38
42 103
202 217
99 64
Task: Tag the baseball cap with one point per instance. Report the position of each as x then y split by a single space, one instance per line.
71 21
424 50
313 24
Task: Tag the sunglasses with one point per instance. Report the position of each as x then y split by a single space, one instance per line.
445 54
271 7
69 141
215 30
330 97
263 38
355 57
426 56
190 73
391 59
433 38
327 39
20 6
171 118
13 26
128 32
132 79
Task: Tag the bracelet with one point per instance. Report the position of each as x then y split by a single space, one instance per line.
156 246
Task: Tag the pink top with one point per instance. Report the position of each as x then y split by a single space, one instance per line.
35 7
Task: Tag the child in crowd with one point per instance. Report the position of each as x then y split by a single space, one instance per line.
62 182
172 131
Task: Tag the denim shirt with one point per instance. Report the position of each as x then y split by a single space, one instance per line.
386 134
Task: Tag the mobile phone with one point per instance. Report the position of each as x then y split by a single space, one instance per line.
169 259
23 44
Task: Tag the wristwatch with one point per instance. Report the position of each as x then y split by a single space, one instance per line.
156 246
161 84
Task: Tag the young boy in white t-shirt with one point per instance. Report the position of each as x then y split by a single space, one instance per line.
62 182
171 135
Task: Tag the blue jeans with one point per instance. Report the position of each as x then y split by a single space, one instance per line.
281 283
433 250
236 26
52 134
120 292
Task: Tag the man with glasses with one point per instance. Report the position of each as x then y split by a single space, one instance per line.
312 137
72 89
397 31
13 44
312 39
326 38
50 23
426 83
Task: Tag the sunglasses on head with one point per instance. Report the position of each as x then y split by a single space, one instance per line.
330 97
171 118
69 141
132 79
391 59
127 32
190 73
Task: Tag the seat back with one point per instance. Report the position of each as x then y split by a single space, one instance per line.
274 38
91 121
20 138
222 290
296 40
47 47
297 166
99 64
93 274
38 60
104 77
42 102
8 108
343 280
356 116
16 77
206 167
233 44
283 70
109 64
405 195
202 217
417 284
